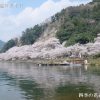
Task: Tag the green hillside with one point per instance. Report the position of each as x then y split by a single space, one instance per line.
79 24
1 44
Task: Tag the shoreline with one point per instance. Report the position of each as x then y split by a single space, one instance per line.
57 61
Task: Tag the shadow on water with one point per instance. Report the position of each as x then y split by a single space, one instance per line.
71 92
25 81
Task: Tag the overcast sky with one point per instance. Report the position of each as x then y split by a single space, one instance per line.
17 15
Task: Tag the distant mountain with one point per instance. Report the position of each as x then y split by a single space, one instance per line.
1 44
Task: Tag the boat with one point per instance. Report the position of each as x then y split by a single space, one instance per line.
76 64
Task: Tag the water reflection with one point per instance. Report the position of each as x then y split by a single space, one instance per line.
30 82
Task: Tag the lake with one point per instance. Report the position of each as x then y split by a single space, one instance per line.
25 81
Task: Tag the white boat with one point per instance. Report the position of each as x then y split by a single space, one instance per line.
74 64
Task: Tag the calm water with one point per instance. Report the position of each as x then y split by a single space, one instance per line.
25 81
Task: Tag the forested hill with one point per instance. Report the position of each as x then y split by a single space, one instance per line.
79 24
1 44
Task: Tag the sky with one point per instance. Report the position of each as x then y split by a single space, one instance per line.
17 15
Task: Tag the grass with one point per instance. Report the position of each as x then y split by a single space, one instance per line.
94 61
